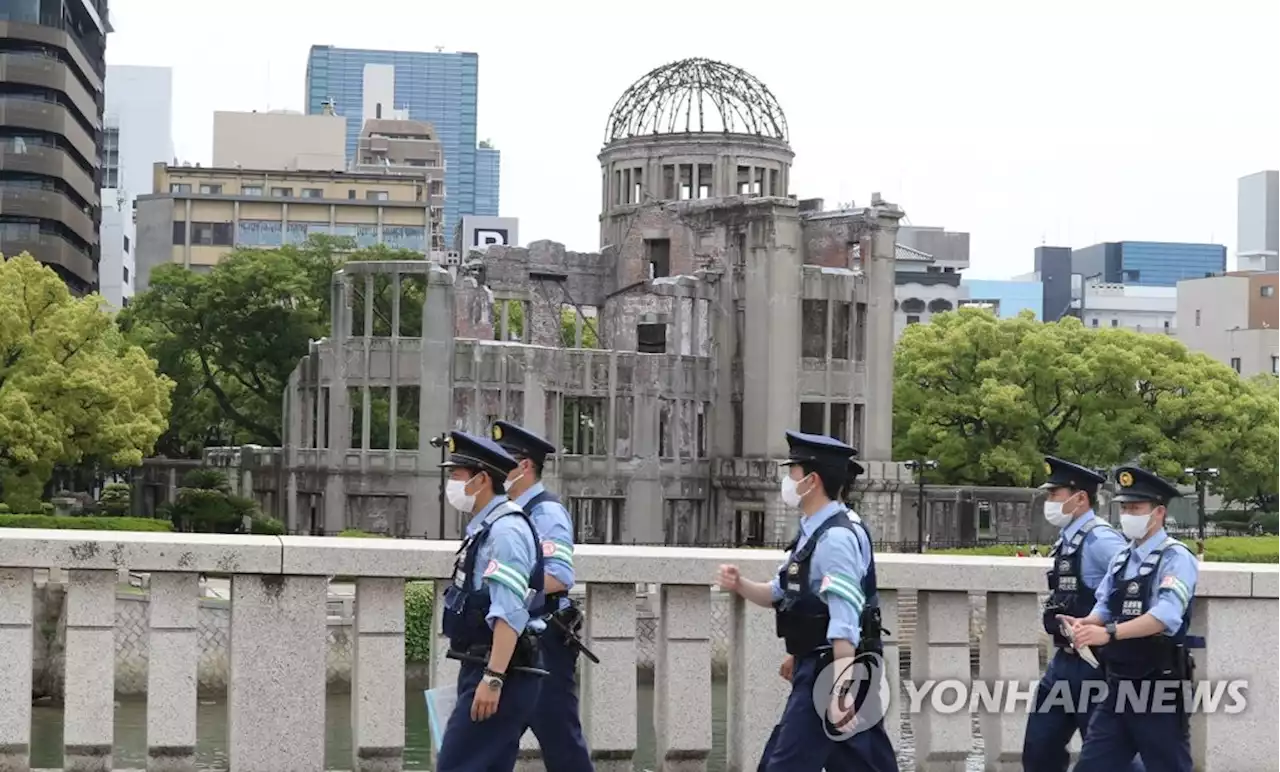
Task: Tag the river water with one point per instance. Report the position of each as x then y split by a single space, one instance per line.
211 728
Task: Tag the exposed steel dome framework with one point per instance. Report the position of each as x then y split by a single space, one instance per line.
697 96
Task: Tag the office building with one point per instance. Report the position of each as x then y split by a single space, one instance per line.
437 87
1005 299
137 134
1258 222
488 180
1232 318
1136 307
52 66
398 146
1153 263
279 139
927 276
200 214
1053 271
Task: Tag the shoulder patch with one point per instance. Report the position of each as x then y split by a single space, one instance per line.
491 569
1169 581
548 548
826 583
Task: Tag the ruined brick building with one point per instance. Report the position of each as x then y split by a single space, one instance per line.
719 312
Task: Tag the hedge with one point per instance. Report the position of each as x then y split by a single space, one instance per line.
85 523
419 597
1217 549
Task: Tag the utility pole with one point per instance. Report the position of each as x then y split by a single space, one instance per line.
919 466
1202 476
442 442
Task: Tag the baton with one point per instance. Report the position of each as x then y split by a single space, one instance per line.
1085 652
574 641
537 671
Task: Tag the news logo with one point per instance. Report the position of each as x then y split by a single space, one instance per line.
852 696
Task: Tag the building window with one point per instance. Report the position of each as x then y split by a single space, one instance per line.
126 243
1093 322
596 521
1197 317
282 192
211 190
658 252
1235 364
211 234
913 319
179 233
583 421
377 195
813 418
258 233
813 329
1267 290
651 338
1166 325
179 187
1115 322
841 330
1275 364
312 193
251 190
840 421
351 194
737 429
126 280
748 528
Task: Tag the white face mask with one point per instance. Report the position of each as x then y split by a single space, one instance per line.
790 491
1134 526
1054 514
507 485
456 492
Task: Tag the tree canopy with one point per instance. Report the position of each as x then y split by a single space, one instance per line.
988 397
72 388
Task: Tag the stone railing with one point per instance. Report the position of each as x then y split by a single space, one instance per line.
276 693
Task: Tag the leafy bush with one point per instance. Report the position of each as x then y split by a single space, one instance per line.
4 508
1266 522
116 498
267 526
206 479
419 597
46 507
1217 549
356 533
85 523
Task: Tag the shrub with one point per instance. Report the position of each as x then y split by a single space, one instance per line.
267 526
84 523
419 597
206 479
1266 522
1217 549
4 508
116 498
356 533
47 507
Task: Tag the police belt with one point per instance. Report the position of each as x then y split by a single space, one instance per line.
479 655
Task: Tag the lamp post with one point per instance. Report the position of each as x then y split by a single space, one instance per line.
1202 476
919 466
441 441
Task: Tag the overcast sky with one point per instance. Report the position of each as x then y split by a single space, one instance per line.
1111 121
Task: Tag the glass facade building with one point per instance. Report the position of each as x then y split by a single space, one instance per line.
432 86
1150 263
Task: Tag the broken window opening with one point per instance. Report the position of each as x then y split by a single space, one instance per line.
737 429
813 417
741 257
683 522
618 190
584 426
597 520
743 185
658 253
508 321
705 175
686 182
637 186
840 421
860 332
775 176
579 330
841 330
669 182
813 329
665 445
651 338
748 528
739 330
856 438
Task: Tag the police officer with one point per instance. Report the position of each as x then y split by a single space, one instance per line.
486 615
1081 556
555 722
827 610
1139 629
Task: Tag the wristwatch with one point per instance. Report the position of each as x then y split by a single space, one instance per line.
1110 627
493 679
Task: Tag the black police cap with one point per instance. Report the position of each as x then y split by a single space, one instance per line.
1137 484
479 453
1060 473
520 442
831 455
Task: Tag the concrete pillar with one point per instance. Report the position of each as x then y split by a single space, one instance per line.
278 630
89 718
1230 653
171 672
892 665
771 352
880 264
16 612
377 676
339 413
682 687
940 651
435 396
757 694
1010 653
608 690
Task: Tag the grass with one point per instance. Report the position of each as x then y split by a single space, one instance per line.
65 522
1217 549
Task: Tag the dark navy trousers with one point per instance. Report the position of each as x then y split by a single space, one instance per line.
1117 732
492 745
799 743
1049 730
555 721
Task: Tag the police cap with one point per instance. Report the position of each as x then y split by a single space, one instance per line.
520 442
1136 484
479 453
1060 473
831 456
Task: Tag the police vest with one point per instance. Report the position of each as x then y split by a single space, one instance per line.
801 615
1068 592
1155 656
466 607
552 599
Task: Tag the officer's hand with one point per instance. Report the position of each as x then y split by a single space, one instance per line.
728 578
1091 635
842 714
485 703
1068 621
787 667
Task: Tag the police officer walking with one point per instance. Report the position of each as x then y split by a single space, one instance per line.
555 722
1139 629
1081 556
486 615
827 611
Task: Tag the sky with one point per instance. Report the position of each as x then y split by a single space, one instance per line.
1020 126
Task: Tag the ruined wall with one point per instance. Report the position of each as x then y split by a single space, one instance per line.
833 242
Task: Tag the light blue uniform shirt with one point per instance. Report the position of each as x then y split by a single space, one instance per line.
1171 593
504 563
555 528
1100 547
836 570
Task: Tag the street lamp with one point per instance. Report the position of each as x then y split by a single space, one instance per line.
919 466
441 441
1202 475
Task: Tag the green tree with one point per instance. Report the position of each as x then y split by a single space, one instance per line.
72 389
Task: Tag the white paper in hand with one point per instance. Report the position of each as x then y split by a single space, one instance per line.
440 703
1085 652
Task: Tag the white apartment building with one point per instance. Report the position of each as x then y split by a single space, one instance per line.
927 275
1127 306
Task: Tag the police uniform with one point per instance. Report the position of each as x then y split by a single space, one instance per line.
1157 576
502 543
1083 552
825 591
555 722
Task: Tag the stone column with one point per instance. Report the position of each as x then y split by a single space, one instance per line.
377 676
608 690
88 724
16 612
1010 654
435 392
940 651
892 665
171 672
757 694
682 693
276 696
1237 631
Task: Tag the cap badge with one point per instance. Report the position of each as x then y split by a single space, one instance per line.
497 432
1048 469
453 446
1125 479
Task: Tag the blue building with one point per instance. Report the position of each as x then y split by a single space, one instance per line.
1006 298
1150 263
432 86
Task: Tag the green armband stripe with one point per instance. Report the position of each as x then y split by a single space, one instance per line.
507 577
1179 589
560 551
844 587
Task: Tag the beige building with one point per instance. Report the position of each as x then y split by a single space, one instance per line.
279 139
398 146
199 214
1232 318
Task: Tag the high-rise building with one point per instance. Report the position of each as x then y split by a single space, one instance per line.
1258 222
1153 263
488 179
137 134
52 66
437 87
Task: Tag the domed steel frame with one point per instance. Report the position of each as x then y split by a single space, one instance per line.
696 96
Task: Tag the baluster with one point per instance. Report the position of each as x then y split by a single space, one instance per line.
1010 653
608 690
940 651
174 643
16 613
682 694
89 713
377 676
